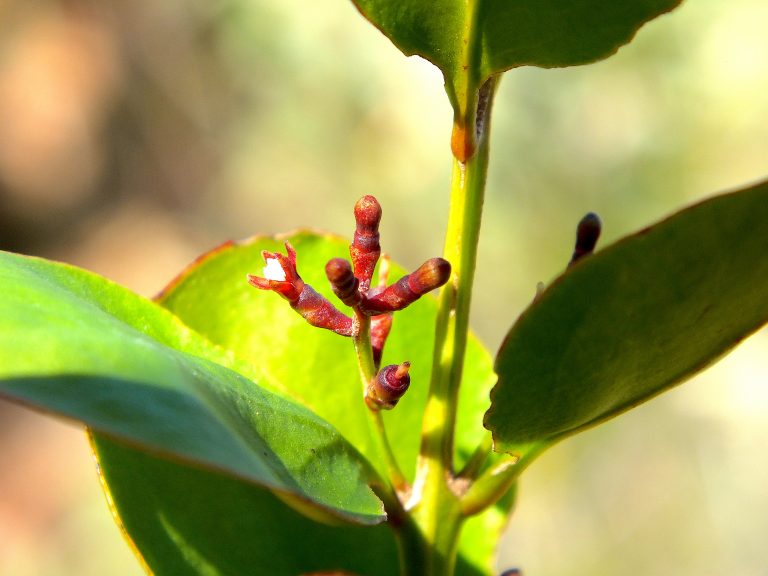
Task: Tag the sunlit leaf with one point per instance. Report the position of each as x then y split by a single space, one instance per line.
317 367
77 345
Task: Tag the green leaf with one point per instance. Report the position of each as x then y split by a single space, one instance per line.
480 535
213 297
316 367
634 320
188 521
471 40
80 346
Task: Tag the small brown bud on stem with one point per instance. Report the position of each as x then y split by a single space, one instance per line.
587 234
365 249
430 275
389 385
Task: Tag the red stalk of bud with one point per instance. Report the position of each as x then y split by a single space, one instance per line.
389 385
365 249
343 281
380 327
282 277
430 275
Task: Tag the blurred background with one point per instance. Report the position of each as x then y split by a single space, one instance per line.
136 135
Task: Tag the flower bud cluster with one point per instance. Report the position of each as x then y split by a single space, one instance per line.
351 283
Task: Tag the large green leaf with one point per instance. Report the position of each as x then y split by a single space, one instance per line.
469 40
317 367
78 345
188 521
634 320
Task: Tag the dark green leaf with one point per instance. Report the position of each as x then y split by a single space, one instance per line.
469 41
188 521
634 320
78 345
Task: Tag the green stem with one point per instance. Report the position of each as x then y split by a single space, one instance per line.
477 459
428 539
437 512
467 193
492 484
367 367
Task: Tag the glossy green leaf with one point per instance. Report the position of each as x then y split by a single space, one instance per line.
77 345
318 367
471 40
188 521
634 320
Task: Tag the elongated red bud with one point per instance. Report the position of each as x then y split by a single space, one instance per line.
343 281
587 234
281 276
380 327
430 275
365 249
389 385
318 311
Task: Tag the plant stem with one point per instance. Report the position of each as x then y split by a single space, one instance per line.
436 505
428 539
367 367
478 458
467 193
492 484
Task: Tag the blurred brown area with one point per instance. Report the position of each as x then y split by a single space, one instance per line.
136 135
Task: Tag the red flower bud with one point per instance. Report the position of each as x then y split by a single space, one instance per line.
282 277
280 274
380 327
587 234
430 275
365 249
343 281
389 385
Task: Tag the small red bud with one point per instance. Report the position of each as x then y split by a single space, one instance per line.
343 281
587 234
280 274
430 275
368 214
365 249
389 385
380 327
281 277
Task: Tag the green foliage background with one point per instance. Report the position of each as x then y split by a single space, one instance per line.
137 135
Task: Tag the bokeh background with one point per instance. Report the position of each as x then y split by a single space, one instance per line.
136 135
